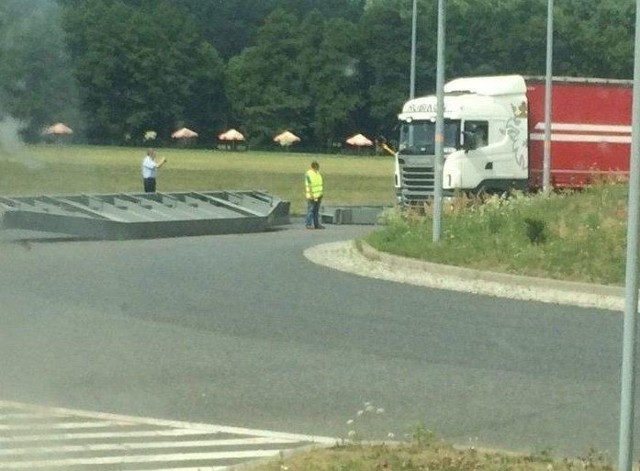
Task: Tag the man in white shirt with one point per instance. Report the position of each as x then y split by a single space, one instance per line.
150 168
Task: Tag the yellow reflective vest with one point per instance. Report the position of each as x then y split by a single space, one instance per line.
313 184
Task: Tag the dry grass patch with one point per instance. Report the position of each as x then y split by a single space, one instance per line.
435 456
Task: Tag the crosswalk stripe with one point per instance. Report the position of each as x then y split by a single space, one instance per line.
38 437
140 459
142 446
179 432
175 424
63 425
20 415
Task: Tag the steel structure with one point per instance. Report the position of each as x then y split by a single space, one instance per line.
145 215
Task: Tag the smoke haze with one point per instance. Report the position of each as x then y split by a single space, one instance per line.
37 86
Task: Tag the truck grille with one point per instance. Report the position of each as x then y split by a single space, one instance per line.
417 180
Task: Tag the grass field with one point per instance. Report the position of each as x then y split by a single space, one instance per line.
349 179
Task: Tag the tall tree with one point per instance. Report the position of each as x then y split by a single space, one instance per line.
331 78
141 69
302 76
232 25
594 38
385 42
265 82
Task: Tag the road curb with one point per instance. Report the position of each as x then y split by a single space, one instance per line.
359 258
397 261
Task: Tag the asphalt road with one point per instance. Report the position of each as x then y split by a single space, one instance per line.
242 330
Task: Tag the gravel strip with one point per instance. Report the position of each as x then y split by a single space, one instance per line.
346 257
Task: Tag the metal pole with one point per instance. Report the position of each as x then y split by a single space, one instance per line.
414 29
546 166
439 137
625 453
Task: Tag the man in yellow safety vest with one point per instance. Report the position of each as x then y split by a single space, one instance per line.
313 190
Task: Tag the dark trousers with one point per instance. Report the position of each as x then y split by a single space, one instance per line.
313 213
149 185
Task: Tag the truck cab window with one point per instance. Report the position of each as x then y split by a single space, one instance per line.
475 134
418 137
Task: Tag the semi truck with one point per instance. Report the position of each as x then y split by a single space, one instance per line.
494 131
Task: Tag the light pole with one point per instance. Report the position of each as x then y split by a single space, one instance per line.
627 389
414 28
439 137
546 162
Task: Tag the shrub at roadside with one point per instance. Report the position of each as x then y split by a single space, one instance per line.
436 456
578 236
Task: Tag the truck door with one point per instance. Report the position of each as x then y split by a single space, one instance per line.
474 142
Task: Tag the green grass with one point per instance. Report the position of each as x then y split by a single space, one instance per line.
579 236
60 170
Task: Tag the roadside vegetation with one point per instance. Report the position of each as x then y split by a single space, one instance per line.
577 235
429 456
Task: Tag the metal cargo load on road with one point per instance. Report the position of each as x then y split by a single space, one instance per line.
123 216
349 214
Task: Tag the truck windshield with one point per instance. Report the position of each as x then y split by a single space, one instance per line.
418 137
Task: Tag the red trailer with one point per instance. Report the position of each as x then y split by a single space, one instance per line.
590 130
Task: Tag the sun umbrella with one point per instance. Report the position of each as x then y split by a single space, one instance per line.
359 140
231 135
286 138
184 133
59 129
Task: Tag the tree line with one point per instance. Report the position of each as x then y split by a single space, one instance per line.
325 69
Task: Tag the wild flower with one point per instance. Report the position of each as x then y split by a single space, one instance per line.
362 424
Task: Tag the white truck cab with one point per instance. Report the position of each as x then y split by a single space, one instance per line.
485 139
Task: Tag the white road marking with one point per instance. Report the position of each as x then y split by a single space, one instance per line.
140 434
221 455
64 425
175 423
33 437
144 446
